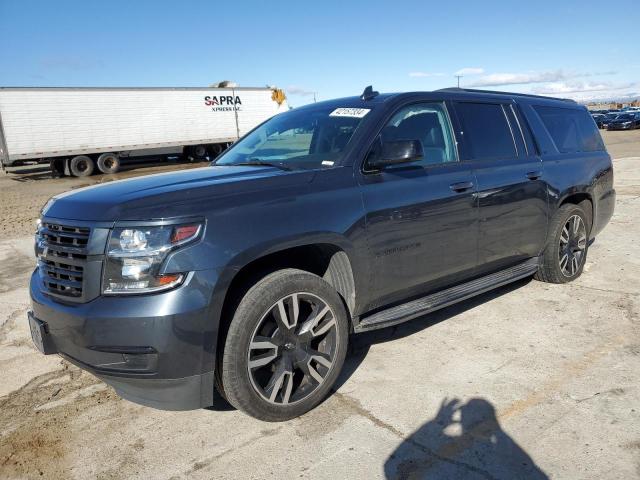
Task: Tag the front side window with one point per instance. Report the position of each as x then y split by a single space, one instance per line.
299 139
486 131
428 123
572 130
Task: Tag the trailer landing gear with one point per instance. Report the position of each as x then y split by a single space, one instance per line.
57 167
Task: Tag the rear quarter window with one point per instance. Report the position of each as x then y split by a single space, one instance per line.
572 130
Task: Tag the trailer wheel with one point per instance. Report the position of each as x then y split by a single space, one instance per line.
199 152
109 163
81 166
217 149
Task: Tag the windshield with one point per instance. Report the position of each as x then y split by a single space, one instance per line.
626 116
612 115
306 138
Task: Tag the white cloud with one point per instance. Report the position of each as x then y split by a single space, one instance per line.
425 74
497 79
470 71
295 90
590 91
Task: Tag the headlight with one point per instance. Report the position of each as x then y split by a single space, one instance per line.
135 256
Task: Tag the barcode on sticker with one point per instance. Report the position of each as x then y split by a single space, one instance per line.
350 112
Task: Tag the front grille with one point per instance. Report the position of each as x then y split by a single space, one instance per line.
65 236
63 254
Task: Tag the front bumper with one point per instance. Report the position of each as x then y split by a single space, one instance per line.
619 127
156 350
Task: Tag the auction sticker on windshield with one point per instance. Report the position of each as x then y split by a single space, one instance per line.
350 112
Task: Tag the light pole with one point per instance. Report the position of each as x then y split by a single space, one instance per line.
458 77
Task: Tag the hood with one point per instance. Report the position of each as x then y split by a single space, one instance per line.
622 120
166 195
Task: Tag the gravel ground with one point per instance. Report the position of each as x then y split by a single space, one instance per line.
22 195
528 381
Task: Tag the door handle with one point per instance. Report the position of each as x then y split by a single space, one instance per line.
534 175
461 186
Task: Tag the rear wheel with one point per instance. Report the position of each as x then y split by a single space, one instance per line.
285 347
108 163
81 166
566 252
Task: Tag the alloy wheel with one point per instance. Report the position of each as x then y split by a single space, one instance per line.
573 243
292 349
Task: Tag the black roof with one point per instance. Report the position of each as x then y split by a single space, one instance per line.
447 93
495 92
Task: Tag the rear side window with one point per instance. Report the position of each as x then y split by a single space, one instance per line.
572 130
487 133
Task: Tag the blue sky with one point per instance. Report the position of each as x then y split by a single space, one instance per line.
581 49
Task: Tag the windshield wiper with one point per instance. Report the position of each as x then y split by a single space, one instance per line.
257 162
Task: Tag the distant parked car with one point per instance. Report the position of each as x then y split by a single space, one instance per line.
599 118
625 121
609 117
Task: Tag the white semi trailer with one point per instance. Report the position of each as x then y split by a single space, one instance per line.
80 130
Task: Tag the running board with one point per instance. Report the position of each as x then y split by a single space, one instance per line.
444 298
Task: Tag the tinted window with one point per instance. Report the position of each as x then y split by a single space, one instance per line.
486 131
572 130
427 122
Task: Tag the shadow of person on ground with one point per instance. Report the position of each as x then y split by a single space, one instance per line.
463 440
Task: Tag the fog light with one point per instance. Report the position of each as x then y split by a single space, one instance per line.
136 360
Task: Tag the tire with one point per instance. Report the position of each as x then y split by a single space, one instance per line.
293 363
109 163
217 149
199 152
564 256
81 166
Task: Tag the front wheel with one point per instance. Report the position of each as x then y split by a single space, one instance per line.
566 252
285 347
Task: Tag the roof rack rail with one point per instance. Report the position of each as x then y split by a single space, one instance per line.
496 92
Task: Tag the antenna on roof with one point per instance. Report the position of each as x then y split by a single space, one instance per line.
368 93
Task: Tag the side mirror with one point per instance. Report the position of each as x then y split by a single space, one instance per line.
396 152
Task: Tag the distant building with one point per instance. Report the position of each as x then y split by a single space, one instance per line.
613 105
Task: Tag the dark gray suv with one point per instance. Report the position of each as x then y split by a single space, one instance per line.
247 277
